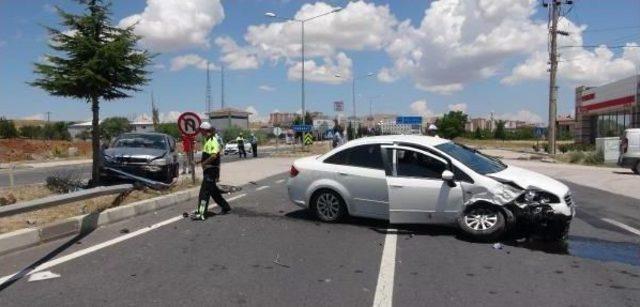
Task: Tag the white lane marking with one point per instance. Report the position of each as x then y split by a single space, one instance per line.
43 276
98 247
262 188
280 181
621 225
384 288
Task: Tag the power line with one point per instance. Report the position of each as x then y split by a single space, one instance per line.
596 46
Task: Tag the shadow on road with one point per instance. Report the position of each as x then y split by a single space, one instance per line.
88 224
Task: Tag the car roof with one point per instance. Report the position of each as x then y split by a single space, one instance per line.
415 139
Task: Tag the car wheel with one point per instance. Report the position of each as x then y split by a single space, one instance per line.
328 206
484 223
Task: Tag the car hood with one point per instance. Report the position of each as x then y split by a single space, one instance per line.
147 153
531 180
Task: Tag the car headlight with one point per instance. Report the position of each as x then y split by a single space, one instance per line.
540 197
158 162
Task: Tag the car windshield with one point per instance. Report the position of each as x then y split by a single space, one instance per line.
472 158
140 141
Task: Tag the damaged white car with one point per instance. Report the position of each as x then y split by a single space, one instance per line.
426 180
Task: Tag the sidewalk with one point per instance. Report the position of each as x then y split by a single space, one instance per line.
241 172
611 179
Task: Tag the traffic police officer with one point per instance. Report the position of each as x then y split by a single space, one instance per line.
210 170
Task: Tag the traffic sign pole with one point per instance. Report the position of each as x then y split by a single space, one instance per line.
189 126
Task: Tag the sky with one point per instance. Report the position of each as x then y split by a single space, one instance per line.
425 57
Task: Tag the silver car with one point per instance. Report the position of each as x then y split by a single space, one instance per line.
429 180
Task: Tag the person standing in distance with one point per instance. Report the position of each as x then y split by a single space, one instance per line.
241 151
432 130
254 145
210 170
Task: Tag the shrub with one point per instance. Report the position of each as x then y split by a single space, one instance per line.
576 156
594 157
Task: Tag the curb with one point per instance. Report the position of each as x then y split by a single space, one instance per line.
23 238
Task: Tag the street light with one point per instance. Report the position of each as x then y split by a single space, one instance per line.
353 89
302 21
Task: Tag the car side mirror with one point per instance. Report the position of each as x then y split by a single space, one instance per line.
447 175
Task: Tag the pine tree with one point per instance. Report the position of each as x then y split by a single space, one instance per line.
94 60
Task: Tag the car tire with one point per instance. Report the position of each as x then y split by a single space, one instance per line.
483 223
636 169
328 206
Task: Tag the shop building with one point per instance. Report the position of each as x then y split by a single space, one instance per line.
607 110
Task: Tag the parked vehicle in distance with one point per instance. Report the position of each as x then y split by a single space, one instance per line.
149 155
630 150
231 148
428 180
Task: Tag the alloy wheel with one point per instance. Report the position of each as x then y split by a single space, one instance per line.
328 206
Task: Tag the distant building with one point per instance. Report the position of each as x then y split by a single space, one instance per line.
478 123
142 124
228 117
566 125
76 129
282 118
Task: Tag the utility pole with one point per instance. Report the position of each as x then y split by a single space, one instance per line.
554 13
221 85
48 116
208 93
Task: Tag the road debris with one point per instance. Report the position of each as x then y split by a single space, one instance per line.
124 230
44 275
497 246
278 262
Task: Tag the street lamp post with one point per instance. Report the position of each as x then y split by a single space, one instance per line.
302 21
353 90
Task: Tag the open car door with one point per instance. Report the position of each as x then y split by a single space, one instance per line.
417 192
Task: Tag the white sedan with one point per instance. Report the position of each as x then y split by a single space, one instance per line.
231 147
429 180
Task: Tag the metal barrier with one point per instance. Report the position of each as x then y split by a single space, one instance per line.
55 200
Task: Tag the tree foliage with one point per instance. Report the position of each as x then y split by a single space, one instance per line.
93 60
451 125
170 129
113 127
7 128
500 133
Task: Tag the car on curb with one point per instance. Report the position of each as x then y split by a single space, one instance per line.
429 180
630 150
231 147
148 155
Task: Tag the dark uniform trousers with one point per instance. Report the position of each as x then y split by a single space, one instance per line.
209 188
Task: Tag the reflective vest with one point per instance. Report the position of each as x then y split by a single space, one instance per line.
210 148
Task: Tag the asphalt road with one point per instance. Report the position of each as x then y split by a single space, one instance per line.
268 252
39 175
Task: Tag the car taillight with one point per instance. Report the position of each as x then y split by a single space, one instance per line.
293 171
624 145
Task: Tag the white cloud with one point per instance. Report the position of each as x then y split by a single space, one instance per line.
266 88
324 73
184 61
419 107
236 57
170 25
522 115
169 117
358 26
39 116
459 42
386 75
591 67
458 107
255 115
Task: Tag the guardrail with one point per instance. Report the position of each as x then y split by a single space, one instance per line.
62 199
